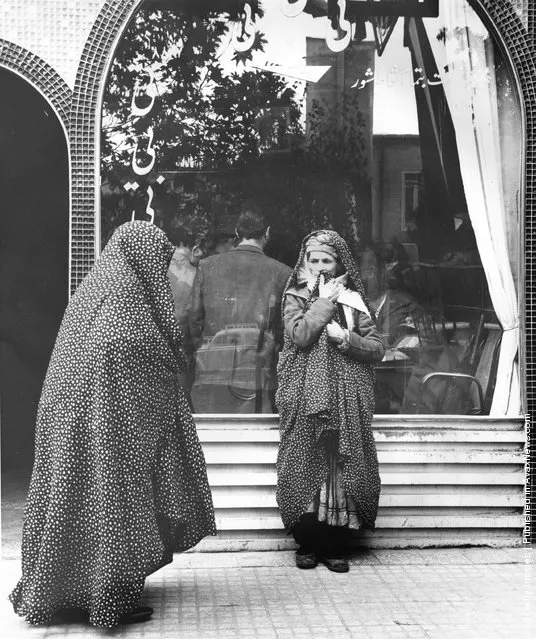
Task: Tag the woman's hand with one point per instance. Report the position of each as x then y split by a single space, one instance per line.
335 332
329 290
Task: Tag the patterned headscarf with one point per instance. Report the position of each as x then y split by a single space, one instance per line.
141 251
330 242
321 242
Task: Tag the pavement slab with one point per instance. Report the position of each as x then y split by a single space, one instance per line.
434 594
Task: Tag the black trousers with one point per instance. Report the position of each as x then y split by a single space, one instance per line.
313 536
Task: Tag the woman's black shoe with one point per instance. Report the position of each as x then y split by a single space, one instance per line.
335 564
306 561
139 614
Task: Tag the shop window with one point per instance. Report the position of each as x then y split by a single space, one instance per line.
211 106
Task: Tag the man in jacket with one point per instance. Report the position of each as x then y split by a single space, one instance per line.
235 323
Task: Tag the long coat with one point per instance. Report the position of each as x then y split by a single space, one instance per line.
324 391
119 481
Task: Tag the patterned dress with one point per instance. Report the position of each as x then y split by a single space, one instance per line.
327 461
119 480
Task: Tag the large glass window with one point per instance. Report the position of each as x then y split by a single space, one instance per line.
401 132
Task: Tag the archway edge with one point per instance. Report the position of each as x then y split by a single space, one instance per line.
52 88
41 76
35 235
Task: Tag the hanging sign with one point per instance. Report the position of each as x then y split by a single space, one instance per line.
343 15
383 27
398 8
368 8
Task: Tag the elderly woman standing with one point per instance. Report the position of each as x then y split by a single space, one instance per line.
328 480
119 481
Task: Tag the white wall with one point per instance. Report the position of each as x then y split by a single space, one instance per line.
55 30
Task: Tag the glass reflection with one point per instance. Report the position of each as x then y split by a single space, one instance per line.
232 103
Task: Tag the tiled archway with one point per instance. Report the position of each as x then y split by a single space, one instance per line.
85 120
32 68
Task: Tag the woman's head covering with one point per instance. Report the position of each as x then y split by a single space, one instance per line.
144 248
133 269
321 242
332 243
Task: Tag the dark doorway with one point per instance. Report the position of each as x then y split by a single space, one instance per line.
34 246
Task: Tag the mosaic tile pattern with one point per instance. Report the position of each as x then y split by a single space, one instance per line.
39 73
86 126
54 30
529 340
522 9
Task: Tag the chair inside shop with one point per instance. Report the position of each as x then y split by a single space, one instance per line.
473 386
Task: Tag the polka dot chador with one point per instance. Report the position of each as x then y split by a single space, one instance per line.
321 392
119 480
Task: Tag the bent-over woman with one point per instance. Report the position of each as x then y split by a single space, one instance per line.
327 467
119 479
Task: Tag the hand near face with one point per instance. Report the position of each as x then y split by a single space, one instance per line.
328 290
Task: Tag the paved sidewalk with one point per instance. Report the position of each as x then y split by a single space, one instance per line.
443 593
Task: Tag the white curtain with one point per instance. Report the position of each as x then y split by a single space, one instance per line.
464 56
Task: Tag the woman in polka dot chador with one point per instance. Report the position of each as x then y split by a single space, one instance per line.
119 480
327 467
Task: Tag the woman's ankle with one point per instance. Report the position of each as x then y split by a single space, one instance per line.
305 550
